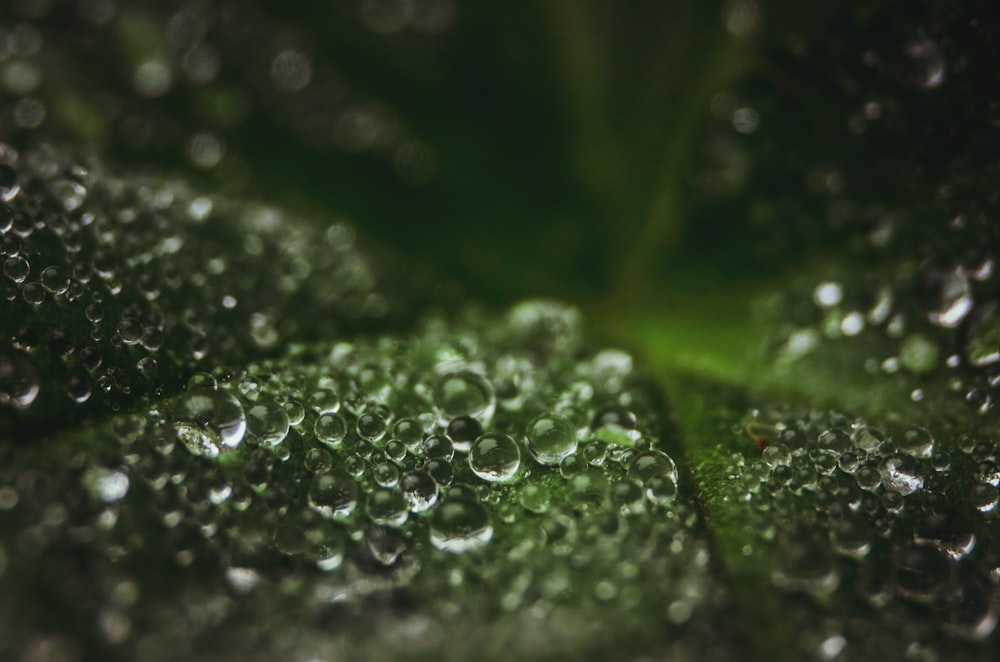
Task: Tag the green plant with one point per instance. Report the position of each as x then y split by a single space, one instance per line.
286 373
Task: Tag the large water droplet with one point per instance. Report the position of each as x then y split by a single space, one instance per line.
334 494
902 473
387 506
494 457
652 464
923 573
209 421
550 438
419 489
331 429
463 431
267 421
464 393
19 383
460 524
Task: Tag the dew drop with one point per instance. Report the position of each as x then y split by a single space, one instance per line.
420 490
982 347
209 421
371 427
652 464
923 574
267 421
325 546
386 474
462 431
438 446
494 457
330 428
534 498
550 438
917 442
460 524
333 495
16 268
464 393
318 460
408 431
19 385
983 497
55 280
387 507
902 473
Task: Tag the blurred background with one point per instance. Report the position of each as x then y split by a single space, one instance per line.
579 149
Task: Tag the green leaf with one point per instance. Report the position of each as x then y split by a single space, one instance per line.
277 381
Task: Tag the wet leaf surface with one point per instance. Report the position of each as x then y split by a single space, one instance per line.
276 380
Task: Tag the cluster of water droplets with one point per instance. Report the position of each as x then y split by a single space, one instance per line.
911 219
115 287
897 523
491 469
937 328
242 61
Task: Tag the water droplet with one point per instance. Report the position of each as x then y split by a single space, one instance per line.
464 393
209 421
534 498
828 294
919 354
917 442
588 491
267 421
16 268
851 537
460 524
940 524
850 461
55 280
951 297
19 385
610 368
408 431
386 474
420 490
325 546
902 473
387 506
440 470
834 440
330 429
550 438
546 325
438 446
983 497
923 573
462 431
982 347
106 485
775 455
652 464
371 427
385 544
291 71
318 460
804 565
295 411
395 450
324 401
494 457
334 494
